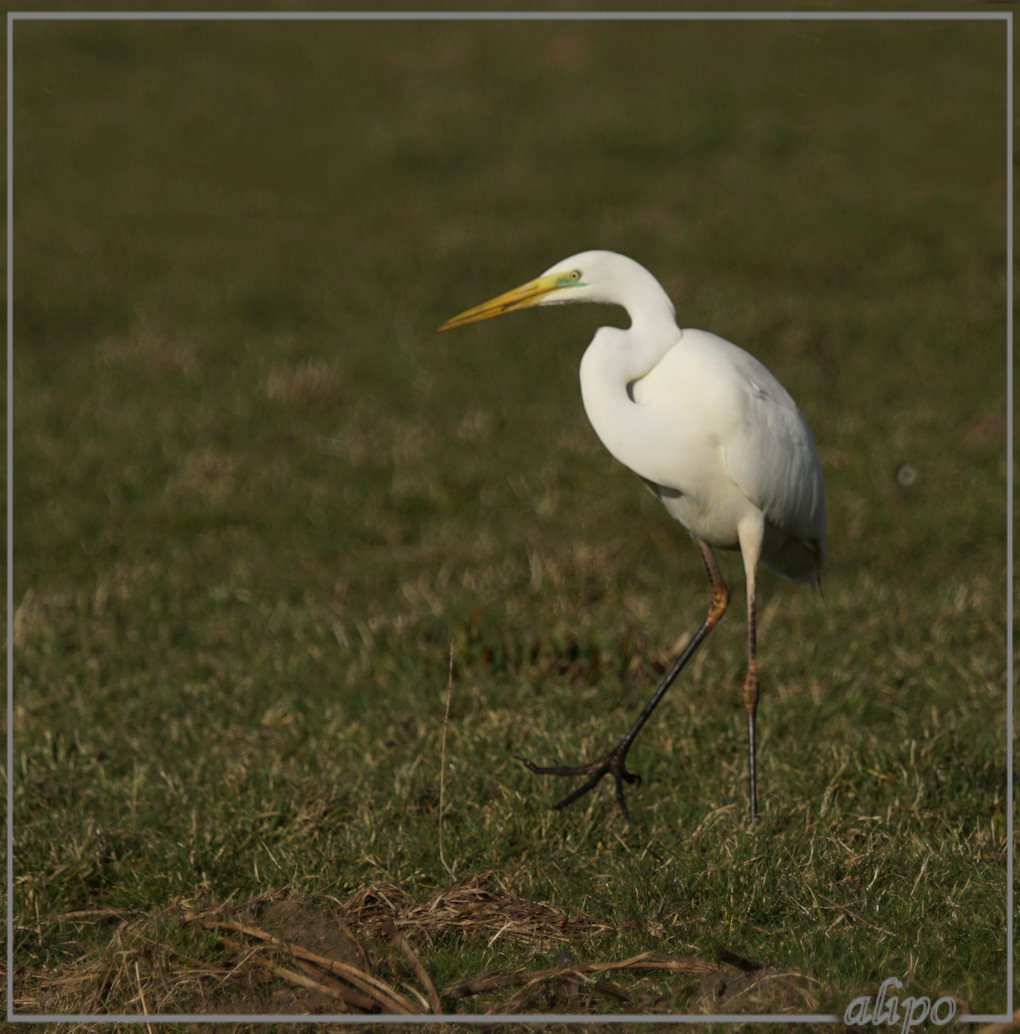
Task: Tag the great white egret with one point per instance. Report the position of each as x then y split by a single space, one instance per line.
710 431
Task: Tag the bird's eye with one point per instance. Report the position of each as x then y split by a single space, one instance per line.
570 279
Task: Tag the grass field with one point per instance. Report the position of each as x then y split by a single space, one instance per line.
295 577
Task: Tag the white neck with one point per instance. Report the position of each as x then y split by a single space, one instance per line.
614 359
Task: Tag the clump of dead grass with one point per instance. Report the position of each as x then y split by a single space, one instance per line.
482 905
370 955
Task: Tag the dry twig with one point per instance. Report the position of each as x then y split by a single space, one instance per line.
646 960
310 983
422 974
383 995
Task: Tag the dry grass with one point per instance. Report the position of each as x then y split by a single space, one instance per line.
373 954
482 905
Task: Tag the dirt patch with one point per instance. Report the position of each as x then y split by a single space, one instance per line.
761 991
322 933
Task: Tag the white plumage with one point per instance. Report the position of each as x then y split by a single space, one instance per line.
710 430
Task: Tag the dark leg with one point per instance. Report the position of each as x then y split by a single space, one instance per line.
613 762
751 697
751 535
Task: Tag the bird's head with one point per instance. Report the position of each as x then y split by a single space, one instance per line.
591 276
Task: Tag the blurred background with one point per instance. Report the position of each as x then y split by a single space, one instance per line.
265 516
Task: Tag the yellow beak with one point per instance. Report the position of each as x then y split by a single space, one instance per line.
521 297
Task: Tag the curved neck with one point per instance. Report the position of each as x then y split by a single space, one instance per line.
632 353
652 311
650 337
611 363
652 316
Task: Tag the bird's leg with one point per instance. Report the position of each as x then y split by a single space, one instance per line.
751 708
613 762
749 549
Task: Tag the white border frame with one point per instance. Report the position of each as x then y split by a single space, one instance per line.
876 16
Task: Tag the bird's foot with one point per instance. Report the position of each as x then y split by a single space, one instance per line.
613 763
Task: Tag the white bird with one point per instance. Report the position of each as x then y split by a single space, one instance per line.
710 431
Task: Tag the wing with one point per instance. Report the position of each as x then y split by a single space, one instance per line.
770 456
763 441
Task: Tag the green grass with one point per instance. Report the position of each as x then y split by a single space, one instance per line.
260 504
